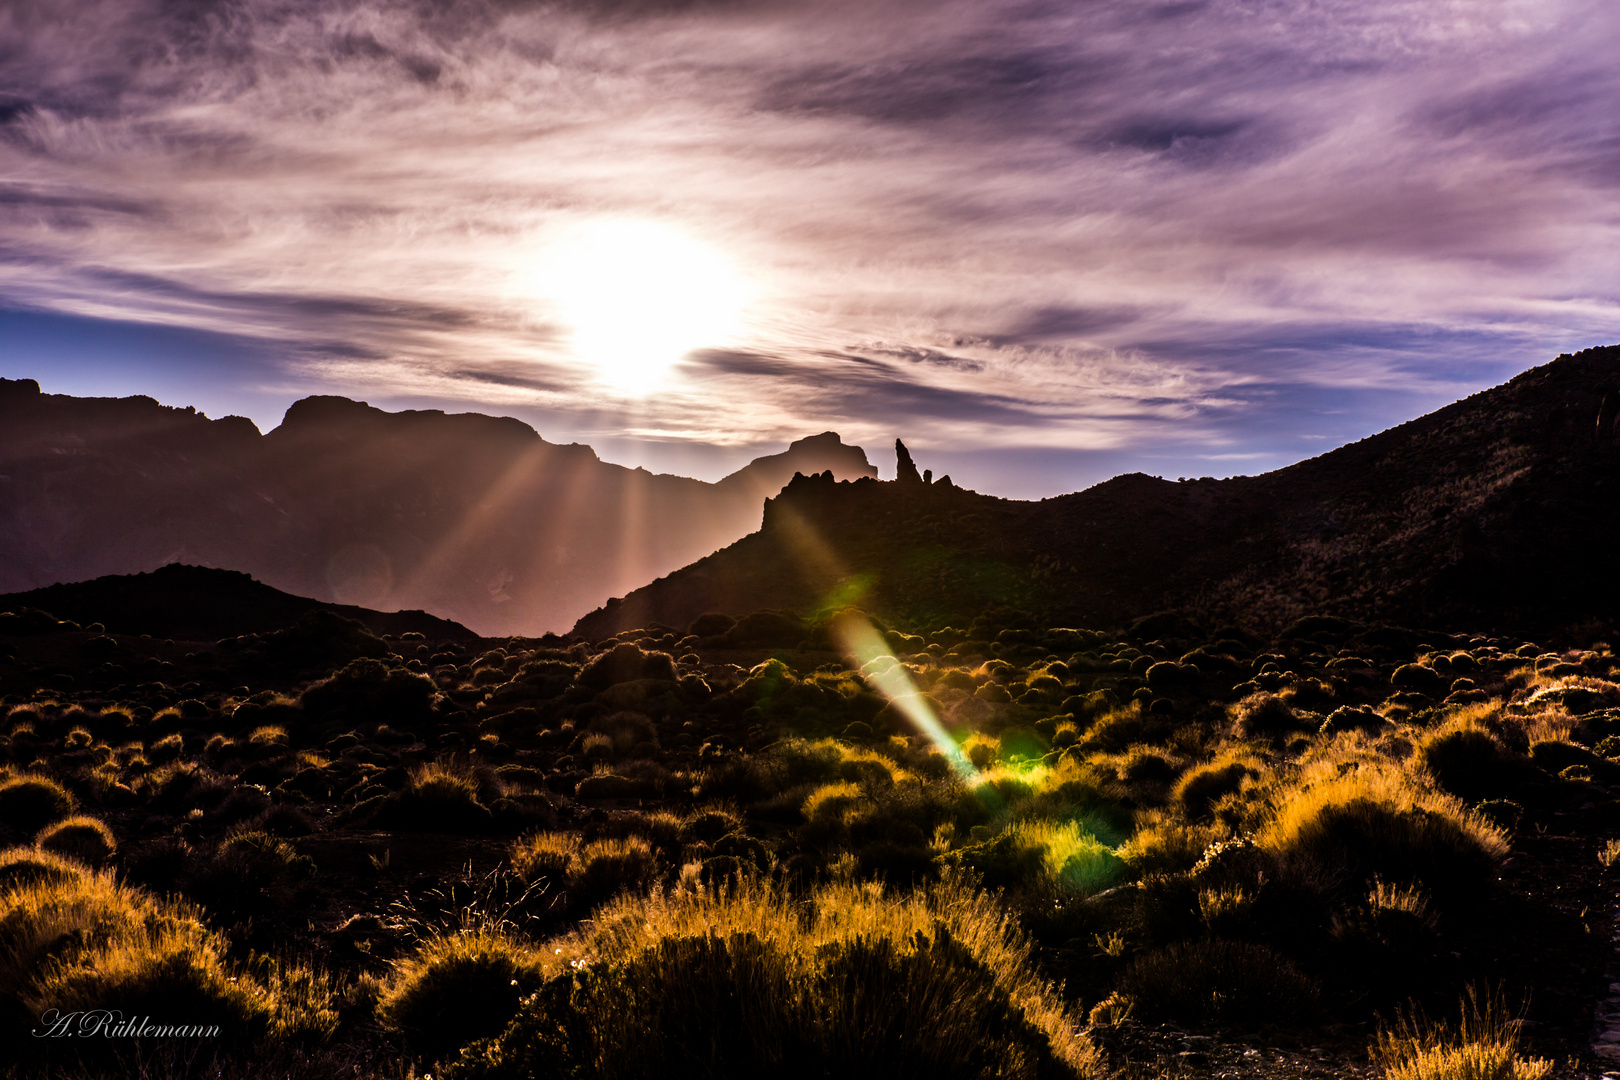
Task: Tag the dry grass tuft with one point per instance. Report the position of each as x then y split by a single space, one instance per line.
1484 1046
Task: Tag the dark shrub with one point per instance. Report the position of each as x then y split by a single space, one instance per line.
1346 836
1421 679
1144 764
368 691
711 625
459 988
28 803
604 868
25 866
626 662
745 1005
768 630
1169 675
1219 982
83 838
1264 716
1202 787
438 798
321 638
1555 756
1351 718
1469 763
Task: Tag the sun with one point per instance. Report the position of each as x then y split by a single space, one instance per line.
637 296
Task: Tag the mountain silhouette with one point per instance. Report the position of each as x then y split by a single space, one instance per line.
1501 510
475 518
195 603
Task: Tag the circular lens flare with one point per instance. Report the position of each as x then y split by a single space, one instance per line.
638 296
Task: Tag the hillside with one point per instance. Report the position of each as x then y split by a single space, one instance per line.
194 603
475 518
1498 510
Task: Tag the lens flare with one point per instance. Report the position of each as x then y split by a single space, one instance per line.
864 648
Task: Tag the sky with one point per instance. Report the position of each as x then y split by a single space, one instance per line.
1043 242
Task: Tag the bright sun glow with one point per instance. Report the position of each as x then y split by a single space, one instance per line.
638 296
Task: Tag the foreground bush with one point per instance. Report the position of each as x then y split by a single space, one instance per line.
1371 823
747 981
457 988
85 942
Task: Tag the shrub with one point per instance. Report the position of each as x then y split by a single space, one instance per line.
459 987
1200 788
1121 728
86 839
1351 718
1344 830
712 624
366 691
268 735
1467 761
1075 862
1263 716
545 855
1419 678
606 867
744 980
1166 847
439 797
1219 982
623 663
86 942
31 802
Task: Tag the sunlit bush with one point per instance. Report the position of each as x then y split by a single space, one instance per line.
744 980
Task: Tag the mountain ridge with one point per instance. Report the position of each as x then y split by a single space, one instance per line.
1495 510
476 518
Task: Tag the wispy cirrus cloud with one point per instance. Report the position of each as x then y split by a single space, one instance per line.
1023 226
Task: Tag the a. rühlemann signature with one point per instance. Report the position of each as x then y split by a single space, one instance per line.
112 1024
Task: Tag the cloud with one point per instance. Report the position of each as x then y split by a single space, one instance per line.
1013 224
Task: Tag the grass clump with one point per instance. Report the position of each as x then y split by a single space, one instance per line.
746 980
1483 1046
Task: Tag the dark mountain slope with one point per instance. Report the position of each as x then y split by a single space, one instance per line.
194 603
474 517
1498 510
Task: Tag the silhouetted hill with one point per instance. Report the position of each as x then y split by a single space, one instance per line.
1498 510
195 603
474 517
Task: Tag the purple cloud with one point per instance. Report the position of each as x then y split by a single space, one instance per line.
1020 227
